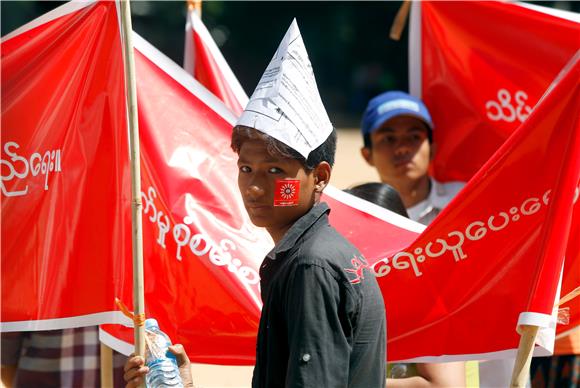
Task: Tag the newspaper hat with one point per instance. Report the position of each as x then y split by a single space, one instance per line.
286 104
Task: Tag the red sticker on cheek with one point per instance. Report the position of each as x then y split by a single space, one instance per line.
287 192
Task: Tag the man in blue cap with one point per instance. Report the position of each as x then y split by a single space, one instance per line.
398 134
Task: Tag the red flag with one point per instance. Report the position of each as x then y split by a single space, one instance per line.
202 253
190 189
493 258
204 60
65 173
353 218
481 79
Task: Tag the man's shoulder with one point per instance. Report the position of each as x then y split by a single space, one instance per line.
333 253
444 192
328 244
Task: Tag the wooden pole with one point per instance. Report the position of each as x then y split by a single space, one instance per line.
569 296
137 205
528 334
106 366
521 370
195 5
400 21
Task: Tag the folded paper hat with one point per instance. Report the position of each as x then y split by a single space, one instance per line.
286 104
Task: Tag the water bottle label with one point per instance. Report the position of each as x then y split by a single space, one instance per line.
163 370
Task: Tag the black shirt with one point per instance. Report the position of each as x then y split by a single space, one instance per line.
323 320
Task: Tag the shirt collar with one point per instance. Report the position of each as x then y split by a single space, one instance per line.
425 206
439 196
299 228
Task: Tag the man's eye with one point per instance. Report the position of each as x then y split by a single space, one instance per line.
389 140
274 170
419 137
245 169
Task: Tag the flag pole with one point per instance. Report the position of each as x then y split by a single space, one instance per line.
521 370
400 20
195 5
136 204
528 334
106 366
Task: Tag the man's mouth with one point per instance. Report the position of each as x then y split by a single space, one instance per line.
256 206
403 160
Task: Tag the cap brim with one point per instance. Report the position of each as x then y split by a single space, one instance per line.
381 120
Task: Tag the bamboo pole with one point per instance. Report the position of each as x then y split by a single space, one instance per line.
137 232
400 21
106 366
528 333
195 5
569 296
521 370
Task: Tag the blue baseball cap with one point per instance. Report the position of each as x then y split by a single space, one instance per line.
387 105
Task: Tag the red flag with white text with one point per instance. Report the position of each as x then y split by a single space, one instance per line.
481 77
66 191
198 239
493 258
364 224
202 253
65 180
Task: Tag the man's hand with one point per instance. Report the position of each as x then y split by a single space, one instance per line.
135 371
183 364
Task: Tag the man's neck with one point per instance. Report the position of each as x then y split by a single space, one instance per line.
413 192
278 232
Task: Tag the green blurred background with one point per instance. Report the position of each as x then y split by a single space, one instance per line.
348 43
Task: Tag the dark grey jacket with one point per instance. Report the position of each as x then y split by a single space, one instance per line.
323 320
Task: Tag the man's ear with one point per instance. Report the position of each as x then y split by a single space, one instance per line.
322 174
367 155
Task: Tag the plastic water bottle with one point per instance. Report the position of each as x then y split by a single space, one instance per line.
398 371
163 370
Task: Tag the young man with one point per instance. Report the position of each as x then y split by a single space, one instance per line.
321 326
323 319
397 134
398 141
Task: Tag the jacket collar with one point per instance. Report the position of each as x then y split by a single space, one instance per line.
297 230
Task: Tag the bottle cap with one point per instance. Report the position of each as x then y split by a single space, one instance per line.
150 323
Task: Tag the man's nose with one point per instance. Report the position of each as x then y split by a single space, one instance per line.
402 147
254 191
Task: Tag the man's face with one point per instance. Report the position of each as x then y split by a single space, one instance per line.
258 172
400 150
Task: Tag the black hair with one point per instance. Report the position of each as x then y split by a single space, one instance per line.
323 153
380 194
367 140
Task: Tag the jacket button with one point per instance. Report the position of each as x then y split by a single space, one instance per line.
306 357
